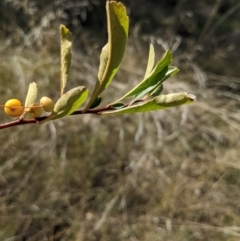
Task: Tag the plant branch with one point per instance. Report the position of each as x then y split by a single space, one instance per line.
96 111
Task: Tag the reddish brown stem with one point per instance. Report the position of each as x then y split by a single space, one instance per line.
96 111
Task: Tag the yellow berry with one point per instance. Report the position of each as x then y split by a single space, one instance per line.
47 104
13 108
36 111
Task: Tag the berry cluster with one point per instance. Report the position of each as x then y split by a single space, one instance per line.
14 108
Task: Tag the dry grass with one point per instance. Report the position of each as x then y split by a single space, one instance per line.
170 175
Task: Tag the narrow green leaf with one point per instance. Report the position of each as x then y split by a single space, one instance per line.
157 103
159 87
66 55
151 60
68 103
144 92
145 89
112 54
31 95
153 79
156 75
170 72
157 91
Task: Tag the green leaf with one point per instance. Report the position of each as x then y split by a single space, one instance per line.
112 53
96 102
31 95
144 92
103 61
68 103
170 72
157 103
151 60
157 91
153 79
155 76
66 55
118 105
159 87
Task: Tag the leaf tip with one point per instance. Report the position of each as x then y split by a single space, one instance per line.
191 97
64 31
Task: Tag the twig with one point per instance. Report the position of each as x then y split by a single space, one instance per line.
96 111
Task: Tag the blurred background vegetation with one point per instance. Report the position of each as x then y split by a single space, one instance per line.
169 175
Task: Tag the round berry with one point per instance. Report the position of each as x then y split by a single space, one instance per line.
36 111
13 108
47 104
